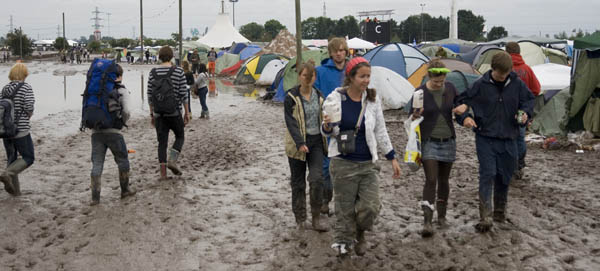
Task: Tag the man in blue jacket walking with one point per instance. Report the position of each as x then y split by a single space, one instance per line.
330 76
500 103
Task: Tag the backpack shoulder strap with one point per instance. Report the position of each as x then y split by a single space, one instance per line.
19 85
170 71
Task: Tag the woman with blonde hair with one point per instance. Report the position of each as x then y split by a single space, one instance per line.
304 145
21 143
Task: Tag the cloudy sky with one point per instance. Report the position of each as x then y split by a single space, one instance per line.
40 18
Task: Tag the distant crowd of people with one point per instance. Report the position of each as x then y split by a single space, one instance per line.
74 55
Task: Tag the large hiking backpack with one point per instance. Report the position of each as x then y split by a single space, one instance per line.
101 107
164 99
8 119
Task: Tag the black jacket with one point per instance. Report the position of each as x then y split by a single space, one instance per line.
431 110
292 123
495 107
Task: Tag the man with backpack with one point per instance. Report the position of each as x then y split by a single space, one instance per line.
167 94
16 99
111 138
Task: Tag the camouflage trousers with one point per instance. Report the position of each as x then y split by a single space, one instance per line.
356 196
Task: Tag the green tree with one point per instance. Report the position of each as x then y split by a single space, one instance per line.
410 29
94 46
309 28
176 37
497 32
124 42
561 36
60 43
272 28
83 39
252 31
148 42
16 39
470 26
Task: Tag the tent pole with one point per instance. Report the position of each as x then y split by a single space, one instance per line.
298 36
180 35
141 32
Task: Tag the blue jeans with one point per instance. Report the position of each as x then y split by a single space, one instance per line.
22 146
202 95
522 146
116 143
497 162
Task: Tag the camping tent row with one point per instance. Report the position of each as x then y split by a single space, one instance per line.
481 56
576 107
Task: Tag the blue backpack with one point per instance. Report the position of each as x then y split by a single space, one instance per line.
100 92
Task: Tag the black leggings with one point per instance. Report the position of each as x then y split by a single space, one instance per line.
436 173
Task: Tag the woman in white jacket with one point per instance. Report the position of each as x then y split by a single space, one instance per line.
353 164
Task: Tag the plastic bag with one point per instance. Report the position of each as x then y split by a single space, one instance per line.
412 154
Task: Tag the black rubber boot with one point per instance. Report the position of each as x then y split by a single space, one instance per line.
428 216
441 206
361 245
317 224
95 187
126 191
485 220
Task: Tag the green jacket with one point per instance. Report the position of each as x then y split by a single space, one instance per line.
295 135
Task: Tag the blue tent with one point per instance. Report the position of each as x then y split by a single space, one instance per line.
398 57
237 48
249 51
220 53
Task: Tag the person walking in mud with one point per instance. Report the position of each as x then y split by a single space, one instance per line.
438 148
499 102
305 146
212 60
329 77
202 86
189 81
353 153
195 61
528 76
111 138
21 144
167 95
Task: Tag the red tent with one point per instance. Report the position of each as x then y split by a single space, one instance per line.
233 70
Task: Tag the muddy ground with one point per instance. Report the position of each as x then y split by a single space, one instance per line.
231 209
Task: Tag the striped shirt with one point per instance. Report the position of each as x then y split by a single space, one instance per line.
178 81
23 102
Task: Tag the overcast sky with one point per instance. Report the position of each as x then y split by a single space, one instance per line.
40 18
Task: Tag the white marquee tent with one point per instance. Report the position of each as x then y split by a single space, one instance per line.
222 34
356 43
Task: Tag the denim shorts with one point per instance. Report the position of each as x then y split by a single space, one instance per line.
439 151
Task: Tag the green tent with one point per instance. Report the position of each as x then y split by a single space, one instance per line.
225 61
584 82
547 122
591 42
484 62
290 77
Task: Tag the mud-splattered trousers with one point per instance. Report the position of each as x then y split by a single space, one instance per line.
314 161
497 162
163 125
116 143
356 196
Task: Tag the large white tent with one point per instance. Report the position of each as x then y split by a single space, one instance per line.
356 43
222 34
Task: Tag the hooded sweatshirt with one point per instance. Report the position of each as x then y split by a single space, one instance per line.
526 74
328 77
